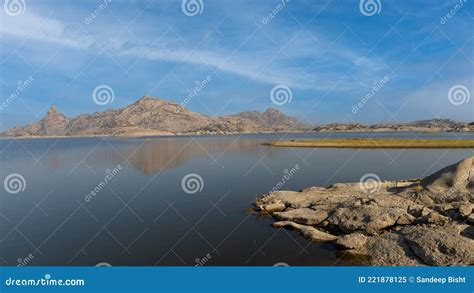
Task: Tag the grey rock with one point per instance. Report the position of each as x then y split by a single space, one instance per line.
390 250
439 246
367 218
308 231
400 224
274 207
434 218
303 216
465 209
352 241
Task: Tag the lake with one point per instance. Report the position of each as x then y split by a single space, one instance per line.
178 200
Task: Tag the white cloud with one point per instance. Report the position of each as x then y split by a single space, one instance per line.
31 27
261 65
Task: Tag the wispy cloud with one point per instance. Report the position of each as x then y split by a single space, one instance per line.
260 65
30 27
328 53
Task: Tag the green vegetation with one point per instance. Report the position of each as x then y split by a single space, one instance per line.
374 143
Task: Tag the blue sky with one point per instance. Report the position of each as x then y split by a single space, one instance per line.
328 53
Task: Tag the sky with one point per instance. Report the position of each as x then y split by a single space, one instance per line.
319 61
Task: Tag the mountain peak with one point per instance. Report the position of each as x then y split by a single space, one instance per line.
272 110
53 113
155 115
52 110
147 98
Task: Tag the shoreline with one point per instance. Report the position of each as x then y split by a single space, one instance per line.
389 223
224 134
376 143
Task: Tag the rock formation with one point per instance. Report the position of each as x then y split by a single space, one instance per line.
152 116
413 222
432 125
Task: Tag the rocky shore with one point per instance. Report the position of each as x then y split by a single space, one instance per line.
392 223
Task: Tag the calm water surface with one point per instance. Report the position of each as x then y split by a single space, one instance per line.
142 216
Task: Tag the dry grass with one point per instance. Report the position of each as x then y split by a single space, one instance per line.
368 143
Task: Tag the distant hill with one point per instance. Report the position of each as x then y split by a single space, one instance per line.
432 125
153 116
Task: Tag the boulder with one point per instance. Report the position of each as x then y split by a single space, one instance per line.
303 216
352 241
273 207
401 224
434 218
390 249
366 218
308 231
439 246
446 184
465 209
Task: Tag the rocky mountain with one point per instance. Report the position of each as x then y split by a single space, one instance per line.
153 116
432 125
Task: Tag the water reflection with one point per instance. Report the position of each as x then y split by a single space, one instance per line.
155 219
157 155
